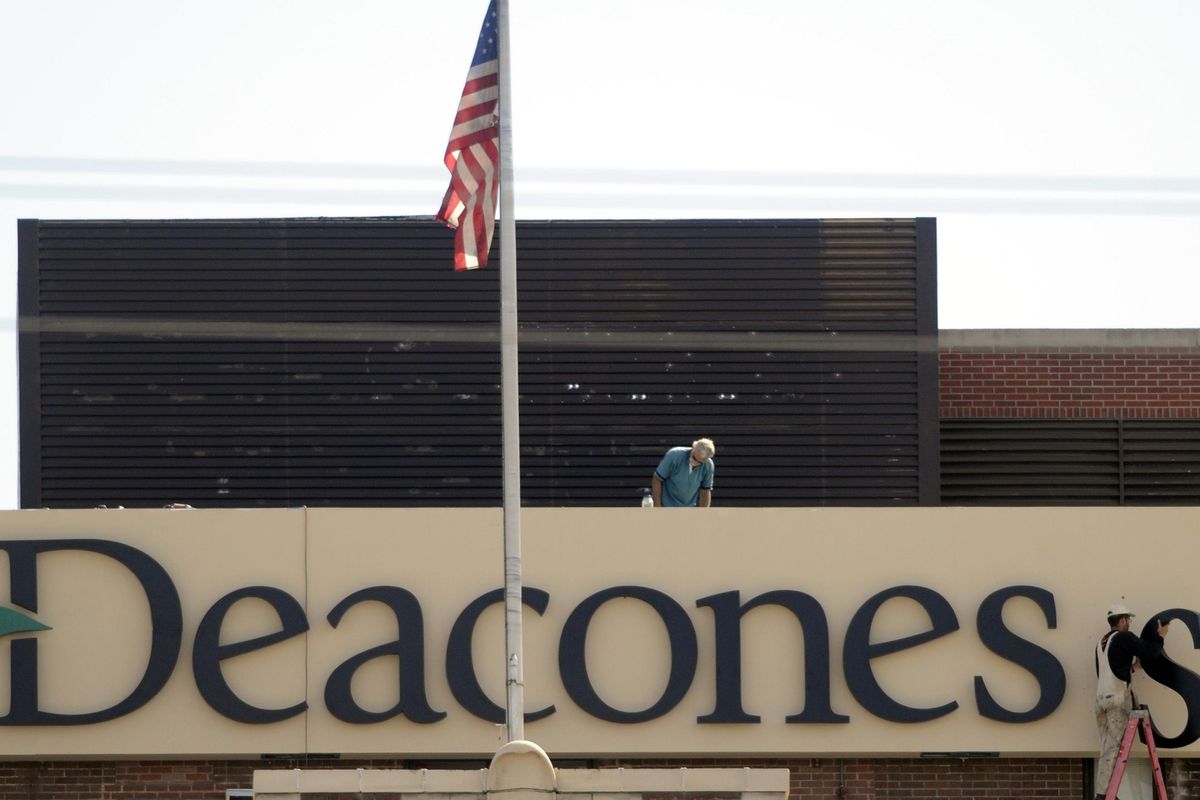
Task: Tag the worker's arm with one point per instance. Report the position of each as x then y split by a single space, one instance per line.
656 490
705 498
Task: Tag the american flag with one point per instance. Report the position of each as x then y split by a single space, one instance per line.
473 154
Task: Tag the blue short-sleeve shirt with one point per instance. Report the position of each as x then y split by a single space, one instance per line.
681 483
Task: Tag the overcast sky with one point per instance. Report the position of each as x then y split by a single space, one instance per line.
1056 142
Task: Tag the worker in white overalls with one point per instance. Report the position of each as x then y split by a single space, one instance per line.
1116 653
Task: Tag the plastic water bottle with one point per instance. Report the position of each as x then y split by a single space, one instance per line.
647 499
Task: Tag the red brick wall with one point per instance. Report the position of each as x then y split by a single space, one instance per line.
812 778
1112 374
819 779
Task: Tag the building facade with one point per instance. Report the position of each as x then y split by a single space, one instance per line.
151 375
988 377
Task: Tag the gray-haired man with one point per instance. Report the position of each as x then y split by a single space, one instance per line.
685 476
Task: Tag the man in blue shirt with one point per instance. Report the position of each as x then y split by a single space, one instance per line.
685 476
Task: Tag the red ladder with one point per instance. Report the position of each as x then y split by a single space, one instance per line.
1139 716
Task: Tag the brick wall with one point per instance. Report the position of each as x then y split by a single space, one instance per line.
815 778
1111 374
132 780
819 779
1182 777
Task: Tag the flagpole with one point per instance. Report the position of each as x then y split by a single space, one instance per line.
509 399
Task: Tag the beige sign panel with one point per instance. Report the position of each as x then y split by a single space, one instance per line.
925 630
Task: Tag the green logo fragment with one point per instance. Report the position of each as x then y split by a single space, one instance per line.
15 622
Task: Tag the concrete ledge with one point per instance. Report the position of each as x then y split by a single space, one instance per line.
276 781
445 782
521 771
326 781
1028 338
395 781
587 781
455 781
746 779
692 780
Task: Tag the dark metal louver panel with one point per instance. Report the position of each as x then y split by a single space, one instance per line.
1162 461
1030 462
342 362
1070 462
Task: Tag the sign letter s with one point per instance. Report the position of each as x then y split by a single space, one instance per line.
1179 679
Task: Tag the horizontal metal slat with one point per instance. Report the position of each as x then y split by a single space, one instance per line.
261 398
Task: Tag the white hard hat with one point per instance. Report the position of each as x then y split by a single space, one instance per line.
1118 610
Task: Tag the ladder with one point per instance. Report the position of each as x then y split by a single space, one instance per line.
1139 716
